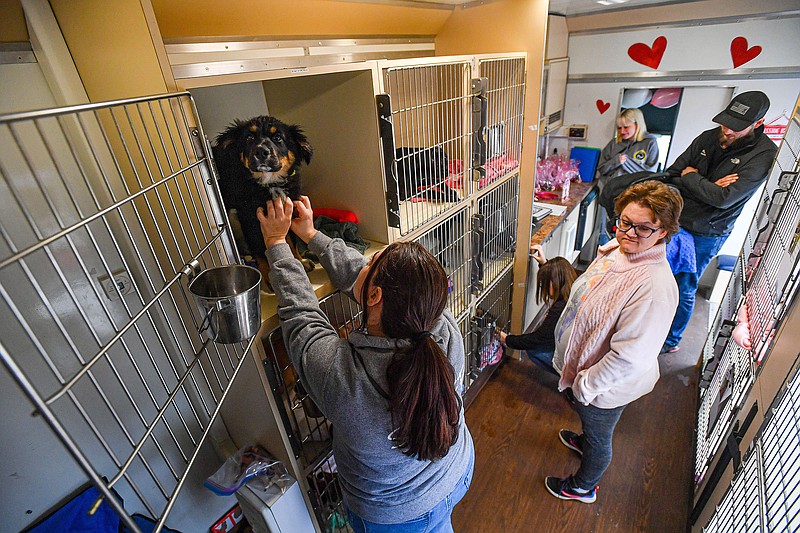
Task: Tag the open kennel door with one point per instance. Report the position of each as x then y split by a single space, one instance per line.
103 207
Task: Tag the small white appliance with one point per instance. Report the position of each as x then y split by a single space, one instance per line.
270 511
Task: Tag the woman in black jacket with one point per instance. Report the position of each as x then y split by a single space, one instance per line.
553 284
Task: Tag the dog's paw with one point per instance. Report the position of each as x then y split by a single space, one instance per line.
308 264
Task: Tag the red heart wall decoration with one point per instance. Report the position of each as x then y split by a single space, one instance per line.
649 56
740 53
602 106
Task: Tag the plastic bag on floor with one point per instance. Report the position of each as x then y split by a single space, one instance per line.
248 463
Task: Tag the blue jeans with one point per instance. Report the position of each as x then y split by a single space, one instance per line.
598 428
437 520
705 248
603 229
542 357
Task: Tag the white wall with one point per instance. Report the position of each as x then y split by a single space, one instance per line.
691 53
689 48
23 88
697 58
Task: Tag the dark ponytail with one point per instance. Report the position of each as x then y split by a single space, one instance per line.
422 397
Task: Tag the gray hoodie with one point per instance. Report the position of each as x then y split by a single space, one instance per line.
640 156
379 482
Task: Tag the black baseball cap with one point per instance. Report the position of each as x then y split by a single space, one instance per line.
744 110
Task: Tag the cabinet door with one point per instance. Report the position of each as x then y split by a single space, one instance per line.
552 248
569 229
591 214
554 91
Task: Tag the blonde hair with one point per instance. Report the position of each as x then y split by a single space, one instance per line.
633 115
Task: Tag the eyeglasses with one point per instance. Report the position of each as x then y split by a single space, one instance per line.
641 231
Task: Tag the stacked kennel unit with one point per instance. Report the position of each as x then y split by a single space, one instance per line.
461 125
420 149
748 398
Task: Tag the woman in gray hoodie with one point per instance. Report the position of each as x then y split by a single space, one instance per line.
403 451
631 150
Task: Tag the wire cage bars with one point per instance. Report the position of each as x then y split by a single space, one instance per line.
326 496
771 244
497 217
308 429
719 403
464 381
780 456
740 509
505 95
426 135
771 265
764 494
727 375
103 207
449 242
492 310
764 279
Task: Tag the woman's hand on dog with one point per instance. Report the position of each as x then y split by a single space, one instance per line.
303 223
275 220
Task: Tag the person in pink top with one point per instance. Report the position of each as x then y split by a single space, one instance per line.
610 332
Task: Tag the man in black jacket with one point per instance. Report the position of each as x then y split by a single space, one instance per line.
717 174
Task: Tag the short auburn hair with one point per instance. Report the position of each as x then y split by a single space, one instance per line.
664 201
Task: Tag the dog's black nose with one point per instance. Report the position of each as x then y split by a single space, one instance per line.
262 153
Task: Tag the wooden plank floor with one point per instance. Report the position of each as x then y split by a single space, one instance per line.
515 421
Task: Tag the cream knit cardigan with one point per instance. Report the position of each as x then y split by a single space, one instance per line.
611 356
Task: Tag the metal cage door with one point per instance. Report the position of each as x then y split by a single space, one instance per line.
103 207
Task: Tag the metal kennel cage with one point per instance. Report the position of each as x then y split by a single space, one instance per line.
765 280
496 239
492 310
326 496
740 509
727 386
426 135
104 208
765 492
464 326
308 429
500 152
449 242
771 265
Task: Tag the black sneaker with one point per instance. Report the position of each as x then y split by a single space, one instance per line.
571 440
669 348
562 489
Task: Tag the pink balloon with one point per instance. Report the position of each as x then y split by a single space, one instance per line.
666 97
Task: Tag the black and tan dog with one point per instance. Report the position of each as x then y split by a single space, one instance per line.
257 160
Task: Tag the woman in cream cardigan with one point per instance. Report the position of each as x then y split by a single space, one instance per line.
609 335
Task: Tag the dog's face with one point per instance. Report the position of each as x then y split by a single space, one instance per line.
270 149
